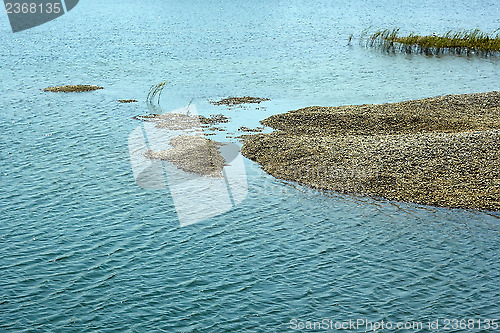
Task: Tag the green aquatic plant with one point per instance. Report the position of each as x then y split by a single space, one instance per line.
155 92
466 42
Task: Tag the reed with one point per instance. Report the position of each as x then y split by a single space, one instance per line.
155 92
466 42
231 101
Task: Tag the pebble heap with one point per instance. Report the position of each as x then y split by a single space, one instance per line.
442 151
73 88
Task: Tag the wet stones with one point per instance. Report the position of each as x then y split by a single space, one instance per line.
214 119
442 151
231 101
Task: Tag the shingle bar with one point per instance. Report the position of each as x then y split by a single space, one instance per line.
441 151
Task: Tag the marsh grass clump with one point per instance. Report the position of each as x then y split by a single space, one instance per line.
466 42
73 88
231 101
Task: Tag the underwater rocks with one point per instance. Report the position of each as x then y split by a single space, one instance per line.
214 119
248 129
466 42
179 121
193 154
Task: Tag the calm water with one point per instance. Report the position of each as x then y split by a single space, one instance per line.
83 248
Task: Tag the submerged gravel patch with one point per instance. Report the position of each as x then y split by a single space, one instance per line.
193 154
442 151
230 101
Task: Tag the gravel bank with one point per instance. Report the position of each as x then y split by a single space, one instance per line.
193 154
73 88
442 151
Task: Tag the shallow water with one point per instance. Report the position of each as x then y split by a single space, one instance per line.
83 248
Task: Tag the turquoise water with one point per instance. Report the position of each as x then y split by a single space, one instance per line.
83 248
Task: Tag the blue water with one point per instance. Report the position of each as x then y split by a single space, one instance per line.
83 248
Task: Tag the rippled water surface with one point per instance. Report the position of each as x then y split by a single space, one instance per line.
83 248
